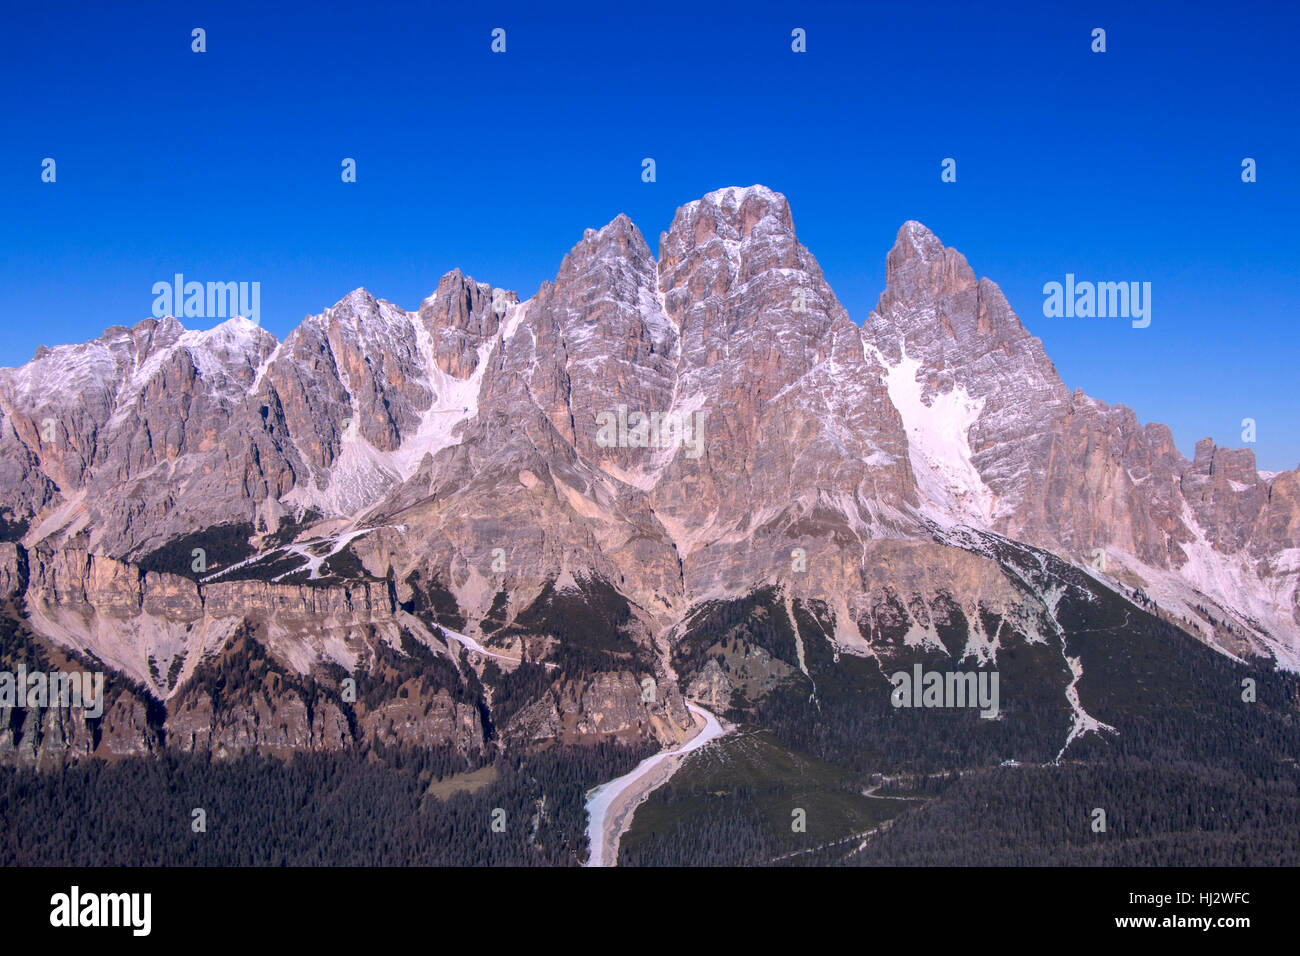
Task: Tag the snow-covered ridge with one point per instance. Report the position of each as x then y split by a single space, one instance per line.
734 196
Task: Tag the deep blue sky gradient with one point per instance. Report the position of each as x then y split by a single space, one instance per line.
1121 166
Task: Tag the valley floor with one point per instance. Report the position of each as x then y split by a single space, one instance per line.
610 806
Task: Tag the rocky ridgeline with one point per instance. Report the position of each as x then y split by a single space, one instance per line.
449 465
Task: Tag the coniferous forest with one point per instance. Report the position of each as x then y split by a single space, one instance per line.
1187 769
313 810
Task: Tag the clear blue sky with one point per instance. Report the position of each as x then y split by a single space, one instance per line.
1117 166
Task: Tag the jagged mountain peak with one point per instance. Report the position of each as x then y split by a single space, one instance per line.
620 225
919 266
358 298
463 304
780 425
617 241
455 282
734 215
730 267
735 197
935 306
155 331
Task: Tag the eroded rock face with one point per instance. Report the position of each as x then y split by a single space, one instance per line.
263 724
254 666
801 442
382 471
712 687
45 738
424 720
148 434
606 706
1066 471
13 570
237 699
45 731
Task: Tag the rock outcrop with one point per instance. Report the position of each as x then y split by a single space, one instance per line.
566 483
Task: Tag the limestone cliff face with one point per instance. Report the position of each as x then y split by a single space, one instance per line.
802 448
1062 470
608 705
256 666
424 721
566 482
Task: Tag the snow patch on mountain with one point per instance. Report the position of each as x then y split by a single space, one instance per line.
362 474
951 488
515 315
308 551
475 647
798 646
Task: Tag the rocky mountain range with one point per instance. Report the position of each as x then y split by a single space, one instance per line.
421 527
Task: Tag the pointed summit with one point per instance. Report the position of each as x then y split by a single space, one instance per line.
359 299
465 305
736 198
719 244
919 266
679 429
733 214
619 241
